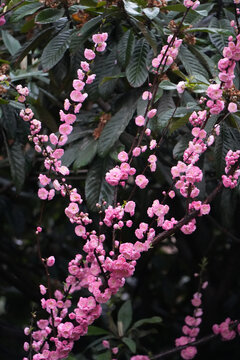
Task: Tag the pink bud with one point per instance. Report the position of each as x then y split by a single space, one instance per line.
50 261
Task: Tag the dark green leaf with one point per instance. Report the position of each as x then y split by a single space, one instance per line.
221 39
152 320
9 121
125 48
130 344
191 63
167 85
117 124
181 146
95 330
96 187
104 356
148 35
86 153
47 16
136 70
124 317
55 50
31 45
25 10
12 44
17 164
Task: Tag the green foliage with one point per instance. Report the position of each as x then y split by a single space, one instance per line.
96 188
136 70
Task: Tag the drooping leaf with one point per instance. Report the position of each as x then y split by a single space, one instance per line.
8 121
148 35
50 15
219 40
55 50
110 68
124 317
95 330
106 355
191 63
152 320
31 45
125 48
17 164
181 146
96 187
167 85
26 9
130 344
85 153
12 44
136 70
205 60
117 124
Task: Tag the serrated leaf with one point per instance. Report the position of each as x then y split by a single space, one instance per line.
136 70
209 64
47 16
86 153
220 40
125 48
110 68
117 124
17 164
31 45
9 120
152 320
130 344
167 85
210 30
181 146
175 125
124 317
55 50
27 9
95 330
12 44
96 187
191 63
148 35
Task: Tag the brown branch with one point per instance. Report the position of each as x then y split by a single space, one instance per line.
180 348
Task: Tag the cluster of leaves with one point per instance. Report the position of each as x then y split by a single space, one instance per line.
43 44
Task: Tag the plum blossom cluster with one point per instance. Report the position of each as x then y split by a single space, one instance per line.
191 328
227 329
168 53
230 180
226 66
102 273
